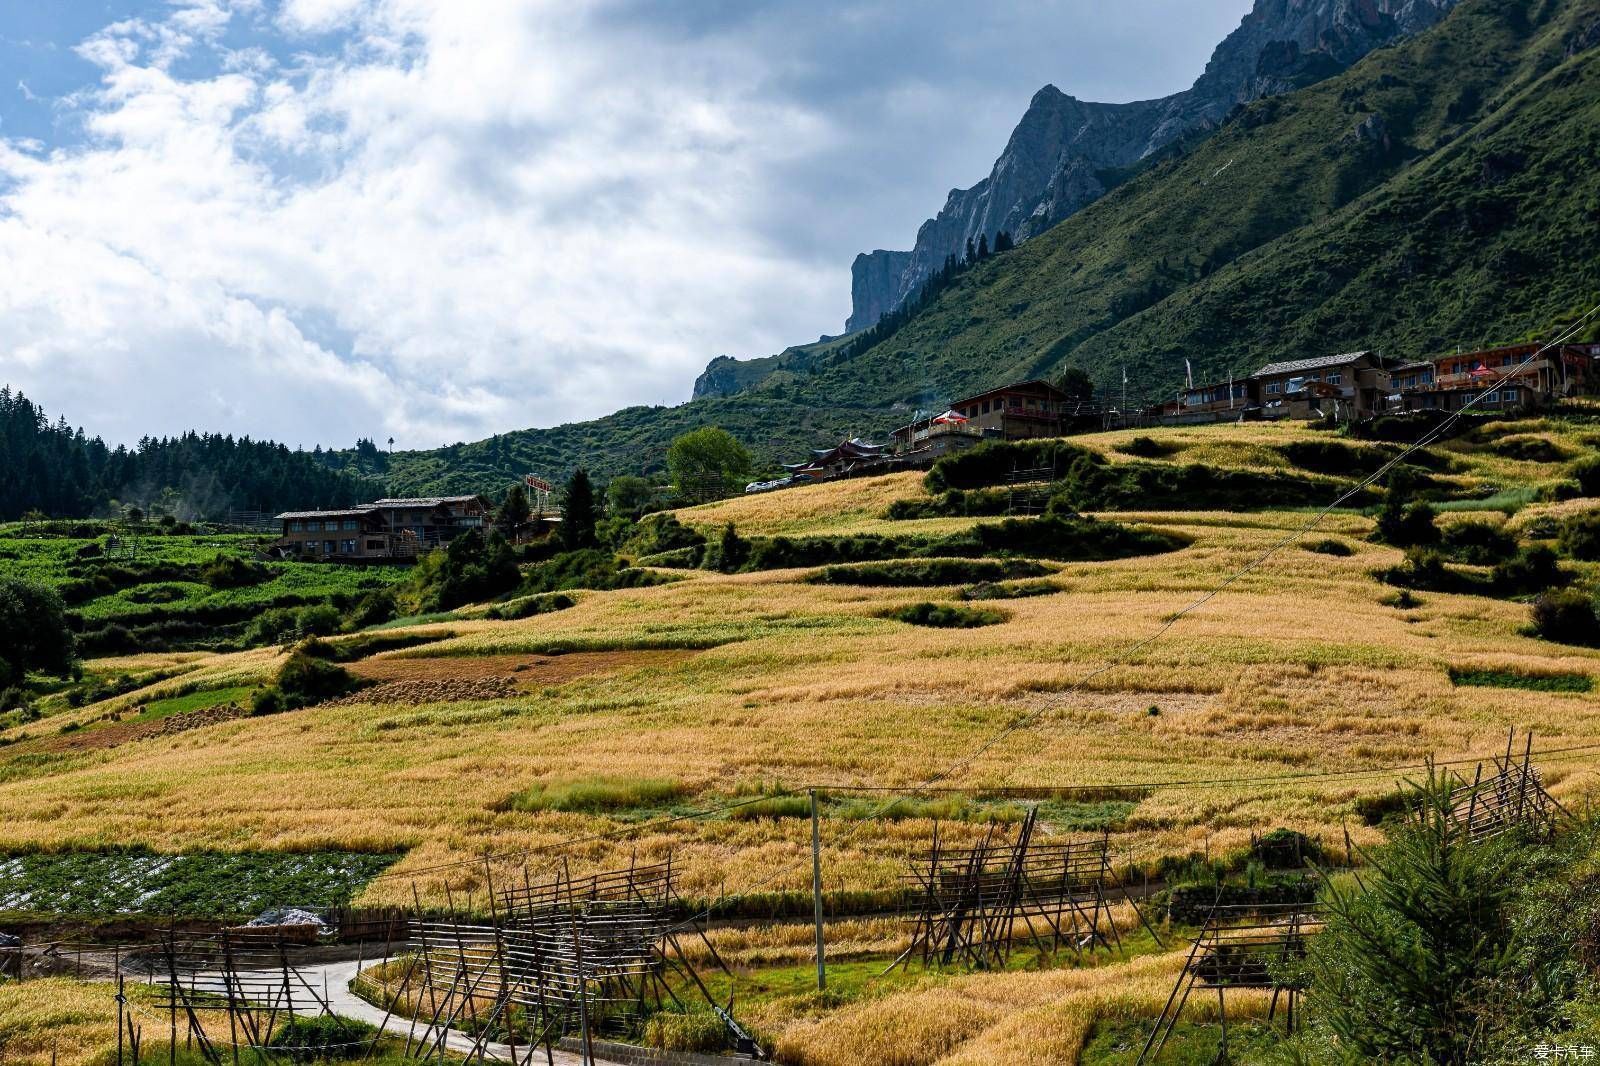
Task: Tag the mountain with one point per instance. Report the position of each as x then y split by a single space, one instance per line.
1439 192
1057 158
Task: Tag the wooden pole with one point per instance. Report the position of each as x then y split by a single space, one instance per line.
816 891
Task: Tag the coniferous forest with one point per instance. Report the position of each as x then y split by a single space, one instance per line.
54 469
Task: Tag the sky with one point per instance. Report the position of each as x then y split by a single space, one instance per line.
433 220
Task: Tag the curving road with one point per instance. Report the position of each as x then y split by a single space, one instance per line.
342 1001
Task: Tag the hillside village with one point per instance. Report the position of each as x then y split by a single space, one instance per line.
1337 389
1001 682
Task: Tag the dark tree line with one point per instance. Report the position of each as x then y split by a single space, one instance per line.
58 470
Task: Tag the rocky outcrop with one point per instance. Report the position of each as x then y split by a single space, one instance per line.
1057 159
874 276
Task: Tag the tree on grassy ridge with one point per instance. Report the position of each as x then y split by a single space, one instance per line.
706 462
578 515
512 517
34 634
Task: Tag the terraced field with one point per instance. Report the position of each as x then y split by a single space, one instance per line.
1283 702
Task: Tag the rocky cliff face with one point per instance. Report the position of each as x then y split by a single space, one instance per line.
1052 165
874 278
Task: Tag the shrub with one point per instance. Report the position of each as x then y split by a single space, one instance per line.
529 606
1586 472
373 609
945 616
318 620
1424 568
730 553
271 626
1146 448
1531 570
1478 543
320 1038
1016 590
1286 849
307 678
1332 457
590 568
1329 546
1580 537
1406 526
266 701
1566 617
232 572
927 572
1530 449
992 462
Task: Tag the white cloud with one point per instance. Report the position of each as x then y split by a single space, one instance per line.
436 219
498 228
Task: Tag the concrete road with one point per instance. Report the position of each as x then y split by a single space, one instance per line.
346 1003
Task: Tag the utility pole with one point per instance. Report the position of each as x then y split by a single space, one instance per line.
816 890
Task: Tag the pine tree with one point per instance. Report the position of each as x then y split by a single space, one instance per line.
578 512
983 246
972 253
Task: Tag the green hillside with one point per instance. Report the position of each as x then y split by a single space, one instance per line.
1441 192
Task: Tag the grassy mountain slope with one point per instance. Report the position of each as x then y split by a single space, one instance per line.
1441 192
631 441
1438 192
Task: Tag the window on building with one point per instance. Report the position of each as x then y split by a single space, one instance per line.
348 547
1274 387
294 527
374 545
350 524
328 547
1335 379
312 546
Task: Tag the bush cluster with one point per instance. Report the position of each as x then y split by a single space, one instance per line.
945 616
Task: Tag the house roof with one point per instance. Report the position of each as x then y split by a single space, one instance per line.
1035 383
1295 366
421 501
354 512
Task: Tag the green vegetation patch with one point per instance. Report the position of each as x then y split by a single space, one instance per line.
928 572
946 616
222 885
1554 682
197 701
597 795
1063 537
1010 590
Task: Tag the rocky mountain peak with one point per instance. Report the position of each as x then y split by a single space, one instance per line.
1052 163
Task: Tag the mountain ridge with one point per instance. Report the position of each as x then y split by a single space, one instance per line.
1439 192
1051 163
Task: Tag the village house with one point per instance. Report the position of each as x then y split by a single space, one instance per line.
1219 399
1018 411
1523 377
384 529
842 460
1347 387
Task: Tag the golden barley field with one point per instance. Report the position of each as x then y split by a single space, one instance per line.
1302 666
